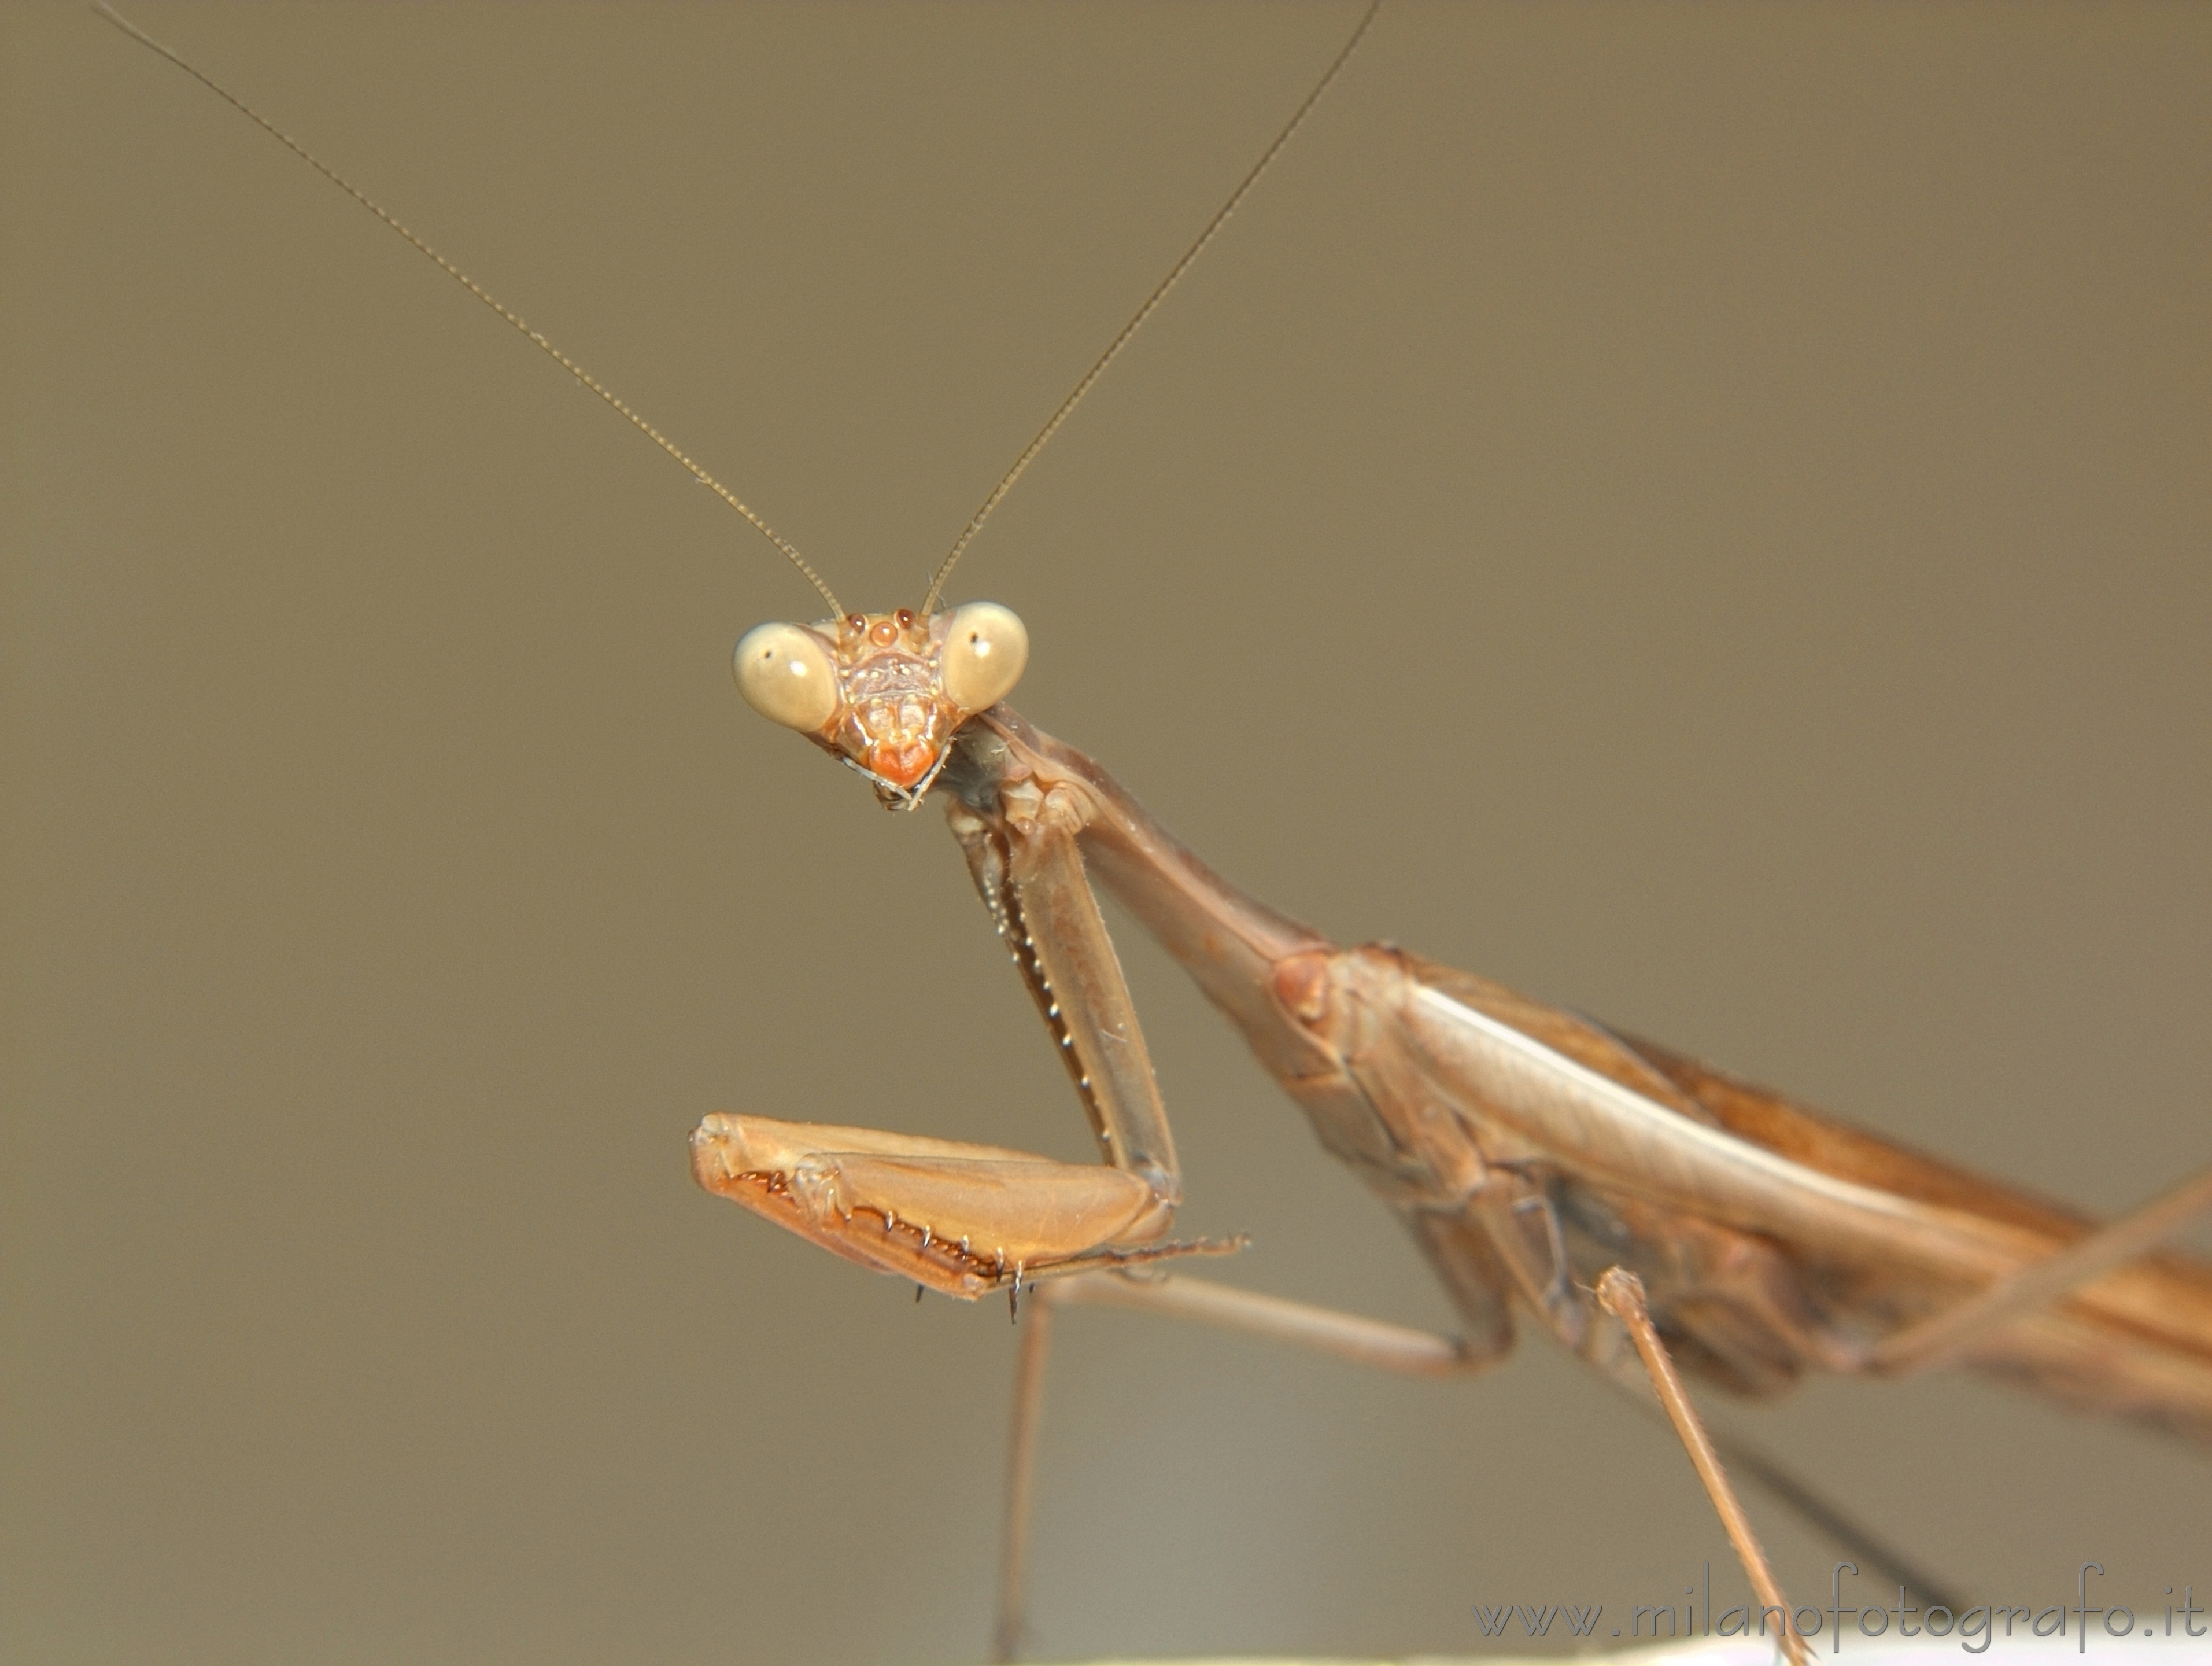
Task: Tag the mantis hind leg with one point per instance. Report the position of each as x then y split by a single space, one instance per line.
1938 1340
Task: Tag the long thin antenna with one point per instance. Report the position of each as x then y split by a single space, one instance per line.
481 294
1159 294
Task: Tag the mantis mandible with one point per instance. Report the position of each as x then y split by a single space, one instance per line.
1060 1253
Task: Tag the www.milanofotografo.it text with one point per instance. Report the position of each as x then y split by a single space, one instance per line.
1974 1628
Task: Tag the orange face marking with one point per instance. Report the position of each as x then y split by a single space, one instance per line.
902 763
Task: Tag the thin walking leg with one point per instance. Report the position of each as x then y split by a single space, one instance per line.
1883 1561
1423 1353
1326 1330
1621 1294
1021 1473
1935 1341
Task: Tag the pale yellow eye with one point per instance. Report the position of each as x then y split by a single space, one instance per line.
985 649
785 674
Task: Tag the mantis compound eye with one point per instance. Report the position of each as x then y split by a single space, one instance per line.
786 675
985 648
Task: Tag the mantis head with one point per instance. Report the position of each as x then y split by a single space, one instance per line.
884 692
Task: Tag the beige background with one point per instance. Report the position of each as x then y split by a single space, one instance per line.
1700 513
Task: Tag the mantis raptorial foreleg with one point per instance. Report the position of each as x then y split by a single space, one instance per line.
966 1220
960 1219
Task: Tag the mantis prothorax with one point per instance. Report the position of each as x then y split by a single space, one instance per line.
1646 1211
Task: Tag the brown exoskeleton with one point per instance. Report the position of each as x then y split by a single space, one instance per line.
1644 1209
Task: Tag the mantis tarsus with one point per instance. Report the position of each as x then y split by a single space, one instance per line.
1409 933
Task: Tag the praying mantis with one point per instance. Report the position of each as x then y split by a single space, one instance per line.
1144 784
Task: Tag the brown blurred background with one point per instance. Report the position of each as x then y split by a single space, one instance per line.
1700 513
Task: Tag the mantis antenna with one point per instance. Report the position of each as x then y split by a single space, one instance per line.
790 550
1136 321
483 294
